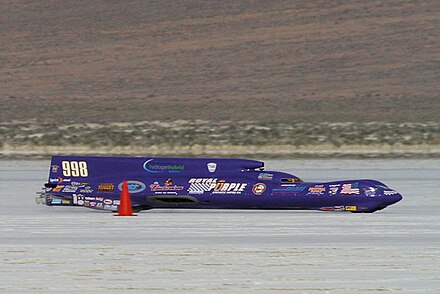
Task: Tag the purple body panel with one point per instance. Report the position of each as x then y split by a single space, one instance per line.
95 182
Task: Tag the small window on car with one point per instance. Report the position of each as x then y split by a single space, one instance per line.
290 180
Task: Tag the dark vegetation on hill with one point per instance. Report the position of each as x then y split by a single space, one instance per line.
205 138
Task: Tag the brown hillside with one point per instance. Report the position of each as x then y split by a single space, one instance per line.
269 61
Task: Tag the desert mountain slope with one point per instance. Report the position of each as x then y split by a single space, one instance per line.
267 61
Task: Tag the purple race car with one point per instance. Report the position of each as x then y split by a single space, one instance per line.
96 182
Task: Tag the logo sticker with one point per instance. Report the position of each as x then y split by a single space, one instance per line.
86 190
333 189
212 166
289 189
201 185
78 184
70 189
110 207
333 208
58 188
317 190
265 177
370 192
259 188
168 186
106 187
133 186
59 180
153 167
349 189
55 168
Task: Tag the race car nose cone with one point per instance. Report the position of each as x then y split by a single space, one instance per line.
391 199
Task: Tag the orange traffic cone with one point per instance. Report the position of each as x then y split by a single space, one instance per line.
125 205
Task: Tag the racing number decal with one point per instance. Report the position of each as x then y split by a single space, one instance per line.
75 169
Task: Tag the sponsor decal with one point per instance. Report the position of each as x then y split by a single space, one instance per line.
317 190
133 186
54 180
106 187
215 186
153 167
58 188
228 188
350 208
389 192
289 189
108 201
92 204
116 202
202 180
99 205
86 190
265 177
200 185
86 203
59 180
167 187
54 168
110 207
78 199
259 188
333 208
78 184
212 166
370 192
349 189
65 201
70 189
56 201
333 190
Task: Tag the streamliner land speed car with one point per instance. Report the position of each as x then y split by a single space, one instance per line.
211 183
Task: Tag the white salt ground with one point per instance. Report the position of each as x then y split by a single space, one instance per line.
75 250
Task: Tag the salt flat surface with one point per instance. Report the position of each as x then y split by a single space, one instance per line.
76 250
